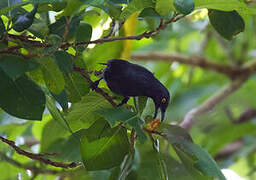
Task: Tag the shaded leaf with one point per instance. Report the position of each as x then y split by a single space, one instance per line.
184 6
2 27
198 162
152 165
21 98
227 24
58 27
105 151
135 6
65 145
64 61
15 66
76 86
84 33
55 41
120 114
149 13
62 99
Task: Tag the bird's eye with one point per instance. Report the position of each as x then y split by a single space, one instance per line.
163 100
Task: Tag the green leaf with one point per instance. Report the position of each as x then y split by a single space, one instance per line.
184 6
84 33
39 29
21 98
53 77
82 113
65 145
149 13
13 130
135 6
164 7
140 104
2 27
104 149
6 9
227 24
15 66
64 61
198 162
49 135
126 166
58 27
56 114
67 148
76 86
55 41
62 99
224 5
71 7
152 165
120 114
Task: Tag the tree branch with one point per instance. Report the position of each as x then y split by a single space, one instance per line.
98 90
34 169
229 70
38 157
27 39
211 102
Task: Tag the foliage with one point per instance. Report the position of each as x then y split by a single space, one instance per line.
49 55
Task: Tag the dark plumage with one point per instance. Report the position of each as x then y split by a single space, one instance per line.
129 80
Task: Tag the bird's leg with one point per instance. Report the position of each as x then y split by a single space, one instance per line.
95 84
124 101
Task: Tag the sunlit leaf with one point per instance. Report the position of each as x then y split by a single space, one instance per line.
82 113
53 77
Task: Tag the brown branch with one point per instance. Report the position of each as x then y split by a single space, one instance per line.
38 157
26 39
229 150
229 70
34 169
98 90
247 115
66 29
211 102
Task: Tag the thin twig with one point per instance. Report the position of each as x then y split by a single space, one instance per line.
99 41
38 157
132 138
98 90
34 169
111 31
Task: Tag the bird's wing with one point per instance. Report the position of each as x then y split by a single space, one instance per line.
135 81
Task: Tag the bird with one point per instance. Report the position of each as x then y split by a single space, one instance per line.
131 80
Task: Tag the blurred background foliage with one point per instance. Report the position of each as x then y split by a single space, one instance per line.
228 138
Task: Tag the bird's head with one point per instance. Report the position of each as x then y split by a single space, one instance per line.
161 101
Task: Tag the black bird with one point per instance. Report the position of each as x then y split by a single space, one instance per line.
129 80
